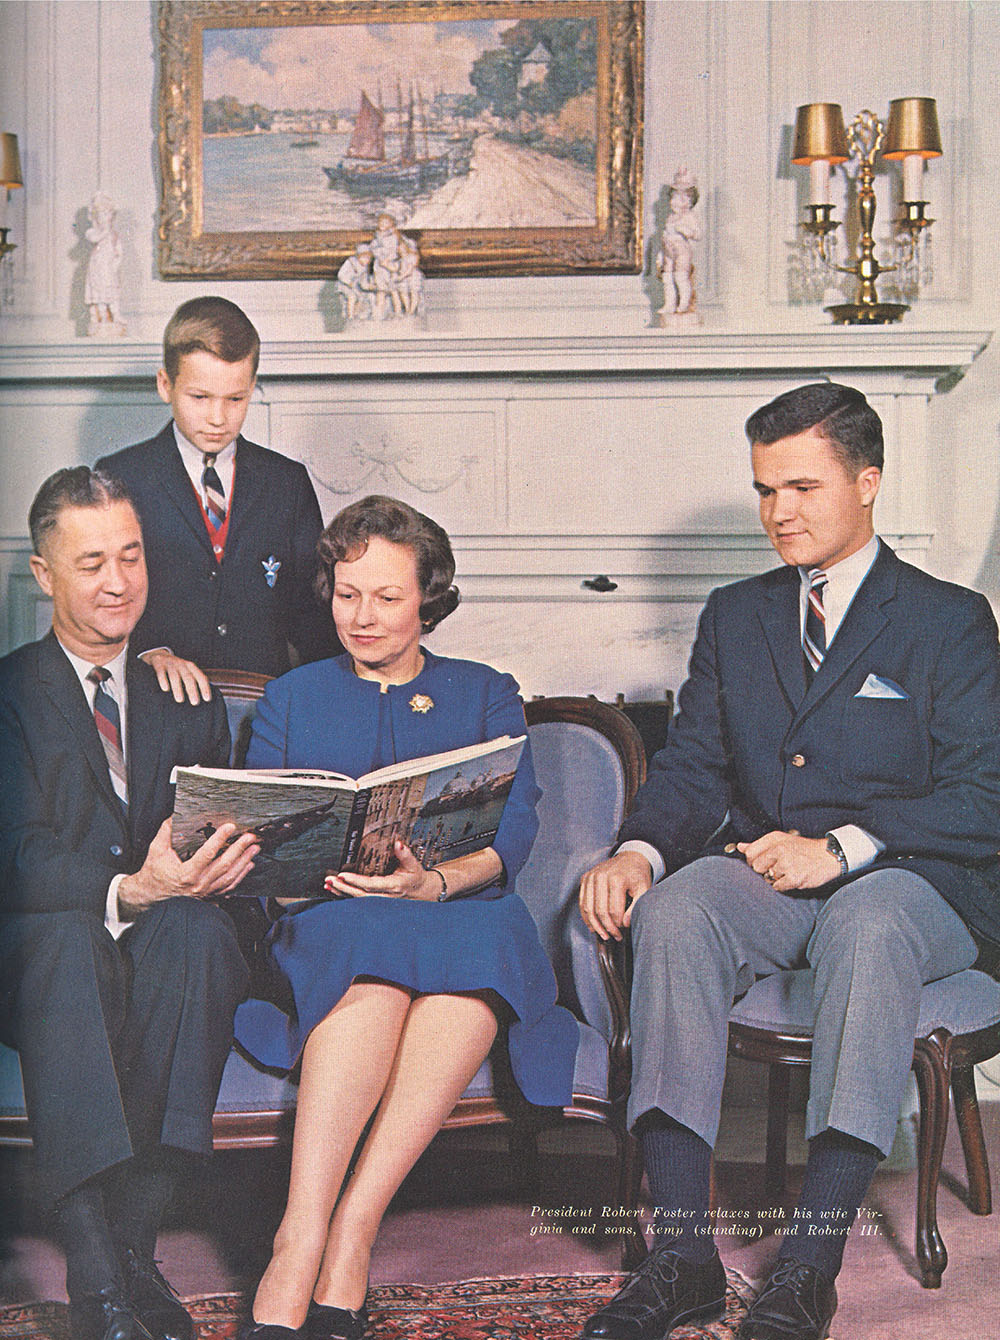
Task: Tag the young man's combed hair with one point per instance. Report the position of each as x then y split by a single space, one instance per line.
214 325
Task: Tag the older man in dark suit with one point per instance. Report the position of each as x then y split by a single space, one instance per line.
829 798
120 981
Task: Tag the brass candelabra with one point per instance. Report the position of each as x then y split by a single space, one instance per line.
821 141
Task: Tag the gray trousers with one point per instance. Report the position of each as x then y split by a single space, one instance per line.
702 936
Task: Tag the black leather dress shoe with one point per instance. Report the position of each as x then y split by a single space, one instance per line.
336 1323
665 1291
796 1303
155 1300
106 1315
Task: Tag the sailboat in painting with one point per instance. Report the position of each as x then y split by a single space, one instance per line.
365 169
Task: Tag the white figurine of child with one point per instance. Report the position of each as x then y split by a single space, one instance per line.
385 246
409 279
102 290
675 262
354 282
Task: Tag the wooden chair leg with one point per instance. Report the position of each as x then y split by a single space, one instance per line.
776 1147
931 1066
970 1128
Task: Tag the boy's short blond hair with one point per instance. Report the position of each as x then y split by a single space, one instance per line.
214 325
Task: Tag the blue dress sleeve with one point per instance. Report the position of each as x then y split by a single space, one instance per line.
268 746
519 823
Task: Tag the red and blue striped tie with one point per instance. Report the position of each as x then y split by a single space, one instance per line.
814 633
108 721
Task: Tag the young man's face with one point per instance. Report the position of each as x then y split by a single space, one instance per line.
93 567
209 398
815 512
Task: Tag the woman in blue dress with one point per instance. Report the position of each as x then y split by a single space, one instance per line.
397 985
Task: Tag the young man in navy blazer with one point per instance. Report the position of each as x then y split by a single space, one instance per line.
120 981
828 797
230 527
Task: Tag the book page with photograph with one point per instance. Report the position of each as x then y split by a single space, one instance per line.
311 823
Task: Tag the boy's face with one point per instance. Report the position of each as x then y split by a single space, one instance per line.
209 398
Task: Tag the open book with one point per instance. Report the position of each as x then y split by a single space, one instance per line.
311 823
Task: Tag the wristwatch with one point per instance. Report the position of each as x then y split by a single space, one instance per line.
833 846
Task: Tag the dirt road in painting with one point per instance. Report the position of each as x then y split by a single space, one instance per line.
508 186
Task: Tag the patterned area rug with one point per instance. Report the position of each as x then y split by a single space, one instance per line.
548 1307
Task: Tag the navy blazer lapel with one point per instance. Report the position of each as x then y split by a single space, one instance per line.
780 618
249 490
59 680
176 487
144 740
864 621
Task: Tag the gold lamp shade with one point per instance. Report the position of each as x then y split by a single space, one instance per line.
912 129
10 163
820 134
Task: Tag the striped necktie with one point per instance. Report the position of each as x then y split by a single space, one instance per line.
109 728
215 498
814 633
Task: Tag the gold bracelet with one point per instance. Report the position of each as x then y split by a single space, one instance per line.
443 895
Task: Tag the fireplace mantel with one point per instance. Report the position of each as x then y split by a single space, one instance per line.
909 352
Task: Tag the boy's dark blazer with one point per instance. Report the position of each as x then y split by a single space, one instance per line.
227 615
898 733
64 835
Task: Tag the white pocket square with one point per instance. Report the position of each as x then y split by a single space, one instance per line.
877 687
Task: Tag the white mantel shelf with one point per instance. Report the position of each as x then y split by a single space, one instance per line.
920 353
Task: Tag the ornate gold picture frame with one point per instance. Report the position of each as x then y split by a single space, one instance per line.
506 137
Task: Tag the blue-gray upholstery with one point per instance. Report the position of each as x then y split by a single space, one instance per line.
782 1003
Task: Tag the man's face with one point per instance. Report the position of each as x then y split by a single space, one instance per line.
814 511
93 567
209 398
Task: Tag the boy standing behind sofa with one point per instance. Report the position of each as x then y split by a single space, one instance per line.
230 527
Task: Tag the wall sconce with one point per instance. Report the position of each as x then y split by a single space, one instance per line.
10 178
822 141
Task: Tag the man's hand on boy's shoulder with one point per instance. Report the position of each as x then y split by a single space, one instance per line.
177 676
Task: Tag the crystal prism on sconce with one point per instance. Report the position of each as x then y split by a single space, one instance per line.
821 142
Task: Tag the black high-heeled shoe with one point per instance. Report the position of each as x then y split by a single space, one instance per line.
333 1323
263 1330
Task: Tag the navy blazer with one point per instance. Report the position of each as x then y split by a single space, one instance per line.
755 749
226 615
63 833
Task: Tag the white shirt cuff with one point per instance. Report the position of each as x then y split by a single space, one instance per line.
656 861
859 847
112 920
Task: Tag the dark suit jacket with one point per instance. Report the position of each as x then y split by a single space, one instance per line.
63 834
756 749
225 615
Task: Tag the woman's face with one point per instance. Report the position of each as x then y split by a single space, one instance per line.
376 607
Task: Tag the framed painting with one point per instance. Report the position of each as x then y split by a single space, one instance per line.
504 135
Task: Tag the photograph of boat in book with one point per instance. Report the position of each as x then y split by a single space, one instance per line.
498 133
310 824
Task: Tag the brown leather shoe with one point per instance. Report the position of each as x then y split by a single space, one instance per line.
796 1303
665 1291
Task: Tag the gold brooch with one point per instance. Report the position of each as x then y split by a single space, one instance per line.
420 702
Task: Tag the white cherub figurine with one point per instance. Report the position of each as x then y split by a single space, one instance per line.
103 291
354 281
675 262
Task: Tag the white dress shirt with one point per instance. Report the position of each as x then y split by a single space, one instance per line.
194 463
843 581
116 688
